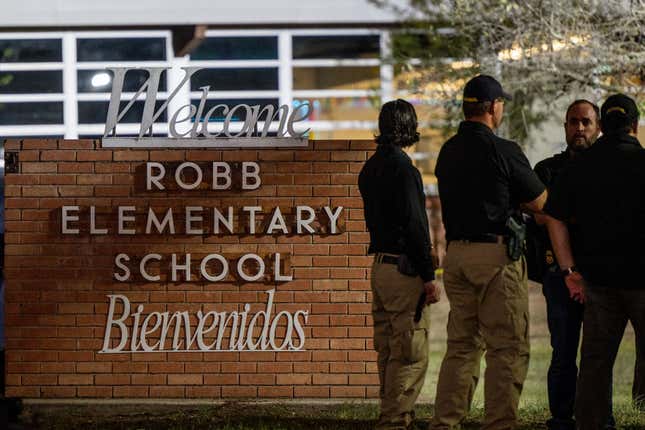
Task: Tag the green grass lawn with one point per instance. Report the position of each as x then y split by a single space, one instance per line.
351 415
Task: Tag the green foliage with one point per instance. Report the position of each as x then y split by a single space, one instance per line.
541 51
520 118
6 78
428 42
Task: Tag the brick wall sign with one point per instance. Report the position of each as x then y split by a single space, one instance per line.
187 272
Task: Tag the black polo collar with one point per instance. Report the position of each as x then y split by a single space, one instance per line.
474 126
614 139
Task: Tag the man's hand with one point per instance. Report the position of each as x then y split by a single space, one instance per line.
433 292
576 285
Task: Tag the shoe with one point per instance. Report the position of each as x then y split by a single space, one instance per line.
561 424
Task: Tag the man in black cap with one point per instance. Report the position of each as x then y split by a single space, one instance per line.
564 315
483 180
605 272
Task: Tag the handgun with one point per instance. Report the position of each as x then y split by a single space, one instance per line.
420 305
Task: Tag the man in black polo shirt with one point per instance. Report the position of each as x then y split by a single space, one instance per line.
603 191
402 274
564 315
483 179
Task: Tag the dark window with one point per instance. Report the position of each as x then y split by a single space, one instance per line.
236 79
240 114
96 112
336 47
40 81
121 49
100 136
37 136
237 48
269 133
337 78
31 113
30 50
91 81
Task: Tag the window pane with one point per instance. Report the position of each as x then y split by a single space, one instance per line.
121 49
336 47
30 50
41 136
237 48
236 79
340 109
240 114
96 112
336 78
42 81
100 136
31 113
100 81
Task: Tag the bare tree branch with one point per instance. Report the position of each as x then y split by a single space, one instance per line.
541 48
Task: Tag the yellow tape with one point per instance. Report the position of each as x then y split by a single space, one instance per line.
615 108
470 99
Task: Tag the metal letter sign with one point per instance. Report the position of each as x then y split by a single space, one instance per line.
198 135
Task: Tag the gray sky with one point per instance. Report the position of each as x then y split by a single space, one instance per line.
28 13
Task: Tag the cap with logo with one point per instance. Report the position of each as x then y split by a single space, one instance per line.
484 88
619 104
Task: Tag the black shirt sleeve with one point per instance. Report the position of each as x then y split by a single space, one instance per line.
526 184
414 222
559 203
543 172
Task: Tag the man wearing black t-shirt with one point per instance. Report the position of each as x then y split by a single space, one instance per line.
564 315
605 272
482 180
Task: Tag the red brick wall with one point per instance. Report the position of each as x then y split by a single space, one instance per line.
56 286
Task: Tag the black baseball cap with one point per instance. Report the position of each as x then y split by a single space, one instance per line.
484 88
619 104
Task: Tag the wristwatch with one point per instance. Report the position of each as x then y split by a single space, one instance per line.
568 271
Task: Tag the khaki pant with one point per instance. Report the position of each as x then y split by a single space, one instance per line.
402 344
488 311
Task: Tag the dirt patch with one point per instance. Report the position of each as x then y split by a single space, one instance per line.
230 415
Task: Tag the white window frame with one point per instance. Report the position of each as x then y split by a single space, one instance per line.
285 63
34 129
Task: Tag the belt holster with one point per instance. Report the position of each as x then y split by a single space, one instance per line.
517 238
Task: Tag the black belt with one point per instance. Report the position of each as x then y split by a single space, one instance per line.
483 238
386 259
